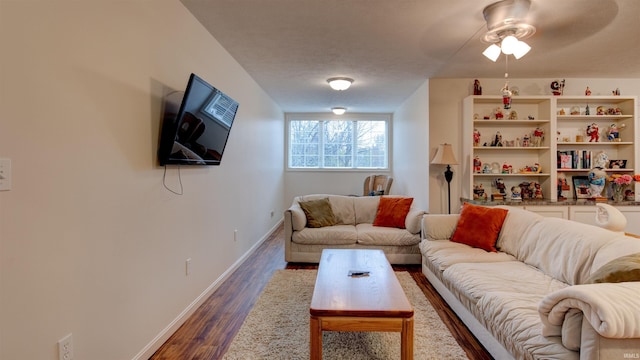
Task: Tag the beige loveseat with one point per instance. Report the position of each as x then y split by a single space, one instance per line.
354 230
535 298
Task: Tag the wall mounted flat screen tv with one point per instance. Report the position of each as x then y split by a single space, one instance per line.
197 133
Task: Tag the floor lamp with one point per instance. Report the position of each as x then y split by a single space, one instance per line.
444 156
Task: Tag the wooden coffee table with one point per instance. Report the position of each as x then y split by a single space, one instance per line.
375 302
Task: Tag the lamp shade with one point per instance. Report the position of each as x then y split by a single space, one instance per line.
444 155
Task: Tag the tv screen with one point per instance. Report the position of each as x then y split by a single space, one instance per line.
197 134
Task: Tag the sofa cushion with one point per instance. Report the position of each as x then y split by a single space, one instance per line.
444 253
343 208
479 226
318 212
575 243
374 235
624 268
329 235
392 211
365 208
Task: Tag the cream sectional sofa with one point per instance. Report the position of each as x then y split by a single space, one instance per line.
531 300
354 230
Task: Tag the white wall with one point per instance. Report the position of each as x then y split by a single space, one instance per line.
411 147
90 241
445 112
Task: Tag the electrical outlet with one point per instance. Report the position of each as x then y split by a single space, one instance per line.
235 235
65 348
187 267
5 174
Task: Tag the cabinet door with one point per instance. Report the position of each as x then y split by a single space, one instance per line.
561 212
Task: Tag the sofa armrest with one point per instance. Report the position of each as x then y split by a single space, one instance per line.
413 220
439 226
610 308
298 218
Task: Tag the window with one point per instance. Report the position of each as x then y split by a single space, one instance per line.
320 141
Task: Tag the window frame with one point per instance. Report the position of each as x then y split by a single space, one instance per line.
386 117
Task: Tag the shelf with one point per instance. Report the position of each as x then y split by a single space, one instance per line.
585 170
509 122
511 148
594 117
512 175
587 143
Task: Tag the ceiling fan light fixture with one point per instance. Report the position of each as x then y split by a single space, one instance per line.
509 45
340 83
521 49
339 110
492 52
507 27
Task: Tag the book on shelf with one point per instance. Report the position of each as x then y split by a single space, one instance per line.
574 159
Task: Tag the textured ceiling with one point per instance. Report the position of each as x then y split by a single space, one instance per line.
290 47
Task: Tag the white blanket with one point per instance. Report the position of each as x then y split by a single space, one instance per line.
613 310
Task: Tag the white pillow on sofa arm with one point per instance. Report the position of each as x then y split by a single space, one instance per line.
413 220
298 218
439 226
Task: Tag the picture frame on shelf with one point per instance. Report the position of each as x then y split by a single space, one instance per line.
617 164
581 186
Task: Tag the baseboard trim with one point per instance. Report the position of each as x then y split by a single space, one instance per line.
173 326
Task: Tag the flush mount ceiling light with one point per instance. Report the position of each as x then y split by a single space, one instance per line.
338 110
340 83
506 21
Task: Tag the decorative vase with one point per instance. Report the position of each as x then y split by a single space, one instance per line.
618 192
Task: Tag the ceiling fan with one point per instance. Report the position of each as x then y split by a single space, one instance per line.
507 27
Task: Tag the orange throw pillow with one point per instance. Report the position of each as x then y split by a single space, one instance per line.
479 226
392 211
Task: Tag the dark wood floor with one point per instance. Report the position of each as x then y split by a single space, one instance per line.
208 333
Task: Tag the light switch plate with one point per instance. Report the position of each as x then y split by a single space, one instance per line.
5 174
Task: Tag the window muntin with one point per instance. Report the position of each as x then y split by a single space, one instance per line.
346 143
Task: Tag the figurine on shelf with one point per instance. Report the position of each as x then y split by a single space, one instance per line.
513 115
597 178
478 192
538 136
587 111
497 141
506 168
525 140
587 92
477 89
557 87
593 132
500 187
614 133
601 160
477 165
516 193
498 114
537 191
476 137
525 190
616 92
600 110
506 96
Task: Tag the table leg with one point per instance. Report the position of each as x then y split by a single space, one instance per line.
315 340
406 344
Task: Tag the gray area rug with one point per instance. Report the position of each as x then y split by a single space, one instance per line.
278 327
